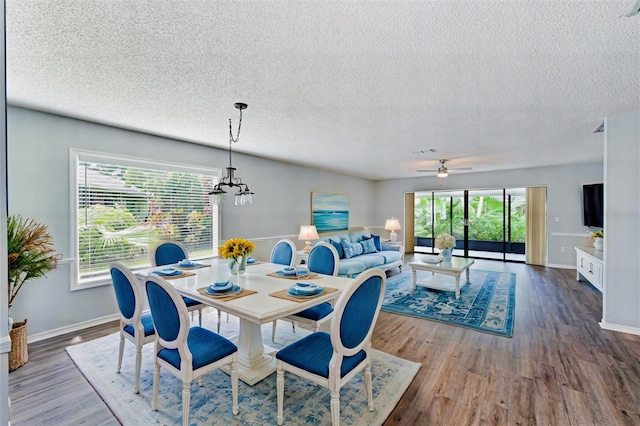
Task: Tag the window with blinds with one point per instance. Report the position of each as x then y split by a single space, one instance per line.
124 206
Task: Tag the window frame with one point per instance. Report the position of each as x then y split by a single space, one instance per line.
75 156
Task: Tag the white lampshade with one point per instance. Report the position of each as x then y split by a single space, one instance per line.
392 225
308 233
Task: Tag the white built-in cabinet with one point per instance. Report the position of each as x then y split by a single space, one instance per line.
590 266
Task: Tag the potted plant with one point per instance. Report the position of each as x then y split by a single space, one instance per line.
30 255
598 240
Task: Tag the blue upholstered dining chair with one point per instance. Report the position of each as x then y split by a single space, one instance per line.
186 352
323 259
332 359
284 253
135 326
169 253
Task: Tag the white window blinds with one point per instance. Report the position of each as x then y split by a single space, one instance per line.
124 206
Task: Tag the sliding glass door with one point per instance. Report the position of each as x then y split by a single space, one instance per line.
487 223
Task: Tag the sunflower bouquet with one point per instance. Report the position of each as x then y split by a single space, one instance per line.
236 248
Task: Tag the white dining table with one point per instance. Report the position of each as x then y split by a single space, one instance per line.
256 360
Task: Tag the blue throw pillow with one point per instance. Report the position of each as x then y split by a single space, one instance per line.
351 250
377 242
368 246
338 248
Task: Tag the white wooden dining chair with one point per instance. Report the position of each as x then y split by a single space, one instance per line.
323 259
170 253
284 253
186 352
135 326
332 359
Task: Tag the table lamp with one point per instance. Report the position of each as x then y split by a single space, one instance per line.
392 225
308 233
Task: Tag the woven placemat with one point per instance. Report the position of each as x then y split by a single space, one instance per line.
174 277
243 293
283 294
309 276
201 265
257 262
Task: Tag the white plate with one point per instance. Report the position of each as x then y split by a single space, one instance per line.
235 290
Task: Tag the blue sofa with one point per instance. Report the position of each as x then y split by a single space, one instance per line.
385 256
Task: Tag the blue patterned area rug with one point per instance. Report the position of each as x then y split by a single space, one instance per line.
211 404
486 304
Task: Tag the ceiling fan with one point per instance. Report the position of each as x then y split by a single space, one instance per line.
443 171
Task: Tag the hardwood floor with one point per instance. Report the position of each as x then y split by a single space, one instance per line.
559 368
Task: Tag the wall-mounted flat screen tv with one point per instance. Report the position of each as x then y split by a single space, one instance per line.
593 205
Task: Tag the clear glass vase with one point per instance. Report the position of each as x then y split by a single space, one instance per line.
238 265
242 264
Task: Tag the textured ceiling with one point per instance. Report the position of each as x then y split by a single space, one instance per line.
349 86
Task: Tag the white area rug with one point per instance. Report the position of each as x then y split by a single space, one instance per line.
211 404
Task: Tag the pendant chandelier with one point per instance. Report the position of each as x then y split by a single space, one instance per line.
243 196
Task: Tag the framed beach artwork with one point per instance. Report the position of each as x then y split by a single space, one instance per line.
329 212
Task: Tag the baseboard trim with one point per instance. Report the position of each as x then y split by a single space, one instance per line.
71 328
620 328
5 344
560 266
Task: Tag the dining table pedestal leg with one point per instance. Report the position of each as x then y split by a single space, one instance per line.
256 361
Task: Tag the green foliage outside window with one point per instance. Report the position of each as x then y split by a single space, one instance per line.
485 218
122 221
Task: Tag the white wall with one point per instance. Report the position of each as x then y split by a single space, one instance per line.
38 152
564 199
621 303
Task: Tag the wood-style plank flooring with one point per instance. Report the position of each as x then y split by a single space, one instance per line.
559 368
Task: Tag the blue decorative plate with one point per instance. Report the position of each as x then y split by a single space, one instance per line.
251 260
305 289
234 290
187 264
289 272
296 293
168 272
220 287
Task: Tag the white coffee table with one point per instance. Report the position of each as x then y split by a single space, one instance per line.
436 281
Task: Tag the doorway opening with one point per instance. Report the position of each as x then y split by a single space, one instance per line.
486 223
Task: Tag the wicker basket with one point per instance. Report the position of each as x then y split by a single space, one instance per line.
18 355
